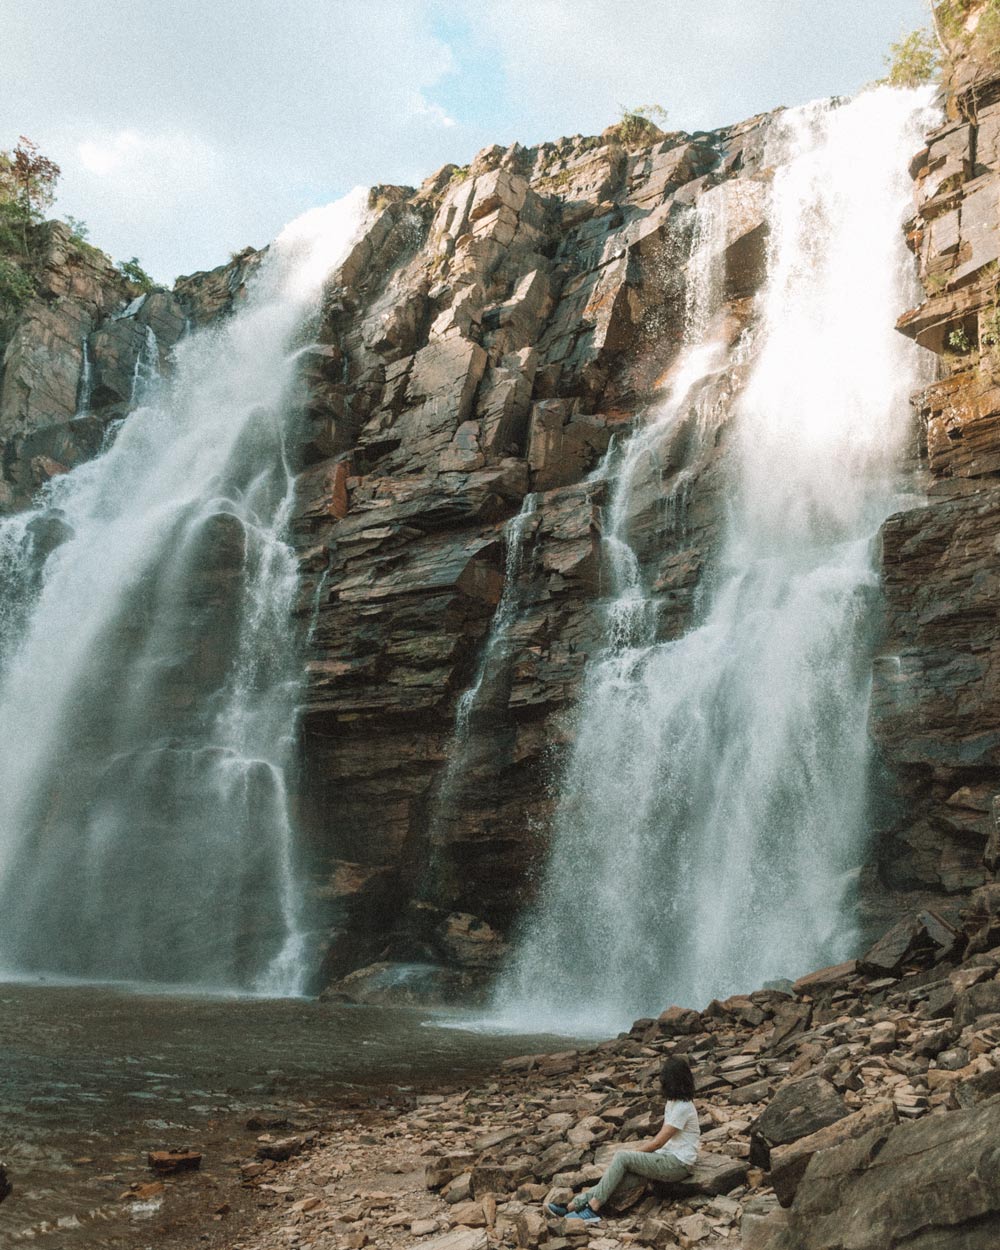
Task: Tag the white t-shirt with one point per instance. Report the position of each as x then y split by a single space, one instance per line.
684 1143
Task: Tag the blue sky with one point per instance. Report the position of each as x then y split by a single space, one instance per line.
189 128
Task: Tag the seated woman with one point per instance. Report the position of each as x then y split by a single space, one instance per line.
669 1156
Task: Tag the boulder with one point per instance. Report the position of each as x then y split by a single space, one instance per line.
458 1239
712 1174
789 1163
930 1184
922 937
977 1000
797 1110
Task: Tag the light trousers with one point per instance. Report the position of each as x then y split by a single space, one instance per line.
653 1167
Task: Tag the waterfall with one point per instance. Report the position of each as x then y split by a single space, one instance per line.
492 658
85 386
713 811
146 369
149 675
503 618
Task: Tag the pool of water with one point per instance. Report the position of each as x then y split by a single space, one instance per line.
94 1077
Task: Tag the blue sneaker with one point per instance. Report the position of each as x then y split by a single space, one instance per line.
556 1208
587 1214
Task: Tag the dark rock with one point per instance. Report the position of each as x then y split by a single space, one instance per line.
921 937
168 1161
798 1109
978 1000
789 1163
933 1182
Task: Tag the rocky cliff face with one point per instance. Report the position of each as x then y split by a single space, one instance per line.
494 331
936 686
490 335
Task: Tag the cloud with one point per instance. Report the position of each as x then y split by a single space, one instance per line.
433 112
187 129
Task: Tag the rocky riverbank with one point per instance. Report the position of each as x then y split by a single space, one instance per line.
857 1106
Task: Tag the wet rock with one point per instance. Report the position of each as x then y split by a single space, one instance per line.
6 1186
167 1162
921 938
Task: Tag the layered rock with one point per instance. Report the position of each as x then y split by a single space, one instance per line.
492 333
83 349
488 338
936 696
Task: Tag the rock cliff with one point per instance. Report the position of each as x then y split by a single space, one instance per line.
935 677
489 336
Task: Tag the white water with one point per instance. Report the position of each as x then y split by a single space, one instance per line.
492 660
149 672
713 811
85 386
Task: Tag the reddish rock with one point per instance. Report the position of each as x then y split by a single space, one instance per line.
168 1161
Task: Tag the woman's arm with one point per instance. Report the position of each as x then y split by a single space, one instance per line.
661 1139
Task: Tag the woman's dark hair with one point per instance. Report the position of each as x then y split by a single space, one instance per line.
676 1080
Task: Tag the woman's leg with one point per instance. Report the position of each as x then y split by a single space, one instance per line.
655 1167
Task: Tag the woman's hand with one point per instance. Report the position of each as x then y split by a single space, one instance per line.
661 1139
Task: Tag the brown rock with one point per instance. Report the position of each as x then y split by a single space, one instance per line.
168 1161
931 1181
789 1163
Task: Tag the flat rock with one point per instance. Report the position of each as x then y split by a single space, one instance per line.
167 1161
458 1239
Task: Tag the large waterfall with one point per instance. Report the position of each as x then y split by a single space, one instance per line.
149 673
713 813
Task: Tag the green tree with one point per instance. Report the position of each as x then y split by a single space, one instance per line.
913 60
79 228
134 272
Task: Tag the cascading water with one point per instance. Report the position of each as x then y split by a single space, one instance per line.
85 387
491 660
714 807
148 675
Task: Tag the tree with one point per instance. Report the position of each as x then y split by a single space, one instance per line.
134 272
33 175
912 61
27 184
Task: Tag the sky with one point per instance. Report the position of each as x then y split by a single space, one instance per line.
187 129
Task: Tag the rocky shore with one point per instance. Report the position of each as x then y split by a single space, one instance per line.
856 1107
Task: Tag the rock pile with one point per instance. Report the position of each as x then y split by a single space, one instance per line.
856 1107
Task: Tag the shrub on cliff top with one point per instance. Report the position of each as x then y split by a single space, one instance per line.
912 61
637 124
134 273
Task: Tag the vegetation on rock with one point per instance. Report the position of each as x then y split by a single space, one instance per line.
912 61
27 188
640 124
134 273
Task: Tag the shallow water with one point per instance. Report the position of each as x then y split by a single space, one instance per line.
95 1077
